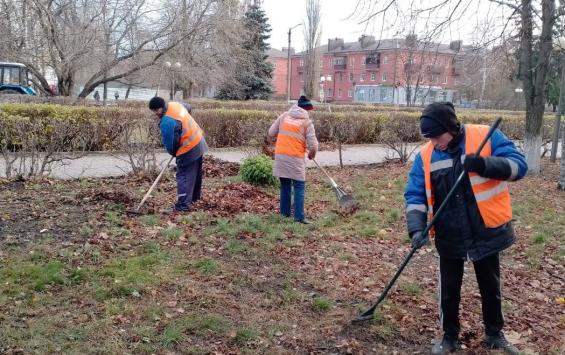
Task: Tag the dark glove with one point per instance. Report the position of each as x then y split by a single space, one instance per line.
475 164
418 239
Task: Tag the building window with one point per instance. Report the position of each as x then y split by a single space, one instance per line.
363 59
274 65
330 92
385 59
350 93
301 77
339 61
301 62
384 77
362 77
330 62
352 62
321 64
350 76
339 93
373 76
445 79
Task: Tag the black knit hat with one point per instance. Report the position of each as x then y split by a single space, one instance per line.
156 103
304 103
438 118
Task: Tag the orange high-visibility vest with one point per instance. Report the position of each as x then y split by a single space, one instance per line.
492 196
291 139
191 131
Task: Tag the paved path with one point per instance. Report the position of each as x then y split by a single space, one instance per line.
103 164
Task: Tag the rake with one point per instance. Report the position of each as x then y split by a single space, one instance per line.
368 314
136 212
345 201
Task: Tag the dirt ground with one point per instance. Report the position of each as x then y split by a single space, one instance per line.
79 275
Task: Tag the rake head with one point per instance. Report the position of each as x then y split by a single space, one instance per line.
346 202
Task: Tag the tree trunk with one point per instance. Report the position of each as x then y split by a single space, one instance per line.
533 73
127 92
561 184
105 94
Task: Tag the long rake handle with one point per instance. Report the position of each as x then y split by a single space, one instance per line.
326 173
368 314
154 184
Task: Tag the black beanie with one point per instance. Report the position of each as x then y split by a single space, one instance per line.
304 103
156 103
438 118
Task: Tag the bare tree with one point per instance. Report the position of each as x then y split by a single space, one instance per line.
438 15
312 35
106 40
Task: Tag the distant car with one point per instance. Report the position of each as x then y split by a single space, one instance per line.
14 79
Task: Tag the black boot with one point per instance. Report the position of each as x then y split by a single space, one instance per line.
500 342
446 346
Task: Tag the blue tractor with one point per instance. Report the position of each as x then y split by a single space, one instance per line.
14 79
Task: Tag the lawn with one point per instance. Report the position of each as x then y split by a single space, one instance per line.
78 275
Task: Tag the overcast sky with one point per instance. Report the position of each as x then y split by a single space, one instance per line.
338 21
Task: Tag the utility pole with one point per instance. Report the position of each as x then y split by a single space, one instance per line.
288 68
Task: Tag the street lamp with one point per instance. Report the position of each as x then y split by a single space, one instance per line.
177 66
288 63
324 79
166 65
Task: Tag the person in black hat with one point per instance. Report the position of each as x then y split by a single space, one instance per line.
184 139
476 224
295 137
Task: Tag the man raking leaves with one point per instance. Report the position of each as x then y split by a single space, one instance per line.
470 195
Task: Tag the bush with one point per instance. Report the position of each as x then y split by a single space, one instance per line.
258 170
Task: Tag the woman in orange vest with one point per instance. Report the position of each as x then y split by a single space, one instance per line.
476 223
184 139
295 136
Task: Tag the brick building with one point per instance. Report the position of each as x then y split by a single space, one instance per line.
280 63
382 71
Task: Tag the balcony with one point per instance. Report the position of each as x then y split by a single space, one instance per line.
372 65
340 66
300 68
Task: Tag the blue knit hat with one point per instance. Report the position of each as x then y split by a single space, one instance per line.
304 103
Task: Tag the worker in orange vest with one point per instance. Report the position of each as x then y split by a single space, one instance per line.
184 139
476 223
295 135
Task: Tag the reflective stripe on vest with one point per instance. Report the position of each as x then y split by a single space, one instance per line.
291 139
492 196
191 132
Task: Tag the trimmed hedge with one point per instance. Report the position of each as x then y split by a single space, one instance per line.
223 127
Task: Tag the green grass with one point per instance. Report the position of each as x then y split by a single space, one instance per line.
199 324
172 233
207 266
131 275
36 276
245 335
150 220
197 217
321 304
393 215
86 231
411 289
113 218
233 246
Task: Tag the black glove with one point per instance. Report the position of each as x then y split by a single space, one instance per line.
418 239
475 164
